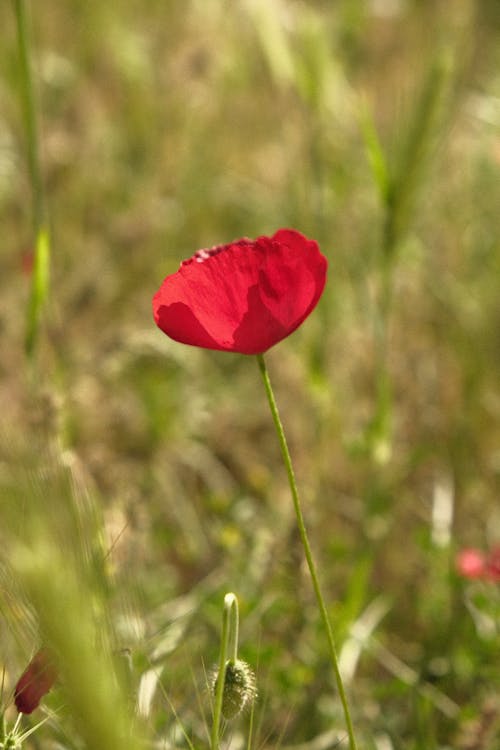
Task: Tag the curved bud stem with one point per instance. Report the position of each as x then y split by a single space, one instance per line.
230 607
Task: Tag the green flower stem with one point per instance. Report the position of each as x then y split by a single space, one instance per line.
307 548
230 606
40 276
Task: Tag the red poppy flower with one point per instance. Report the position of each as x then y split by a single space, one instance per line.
37 679
472 563
245 296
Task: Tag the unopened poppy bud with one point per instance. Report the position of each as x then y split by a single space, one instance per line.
239 688
37 679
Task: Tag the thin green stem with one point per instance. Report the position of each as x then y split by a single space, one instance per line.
30 112
40 276
230 606
251 727
307 548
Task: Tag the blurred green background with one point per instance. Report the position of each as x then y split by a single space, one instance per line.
166 126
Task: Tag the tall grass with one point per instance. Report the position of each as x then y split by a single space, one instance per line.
41 236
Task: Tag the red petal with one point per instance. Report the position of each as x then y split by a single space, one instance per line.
242 297
35 682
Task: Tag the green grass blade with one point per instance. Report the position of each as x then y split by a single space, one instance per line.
39 282
39 289
375 153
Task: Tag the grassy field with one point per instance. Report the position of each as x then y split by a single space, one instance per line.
141 480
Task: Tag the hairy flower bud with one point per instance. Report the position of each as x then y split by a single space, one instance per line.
239 688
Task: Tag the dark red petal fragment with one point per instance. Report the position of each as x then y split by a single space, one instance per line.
493 565
35 682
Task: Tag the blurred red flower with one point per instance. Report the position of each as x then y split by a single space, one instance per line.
493 564
245 296
472 563
37 679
